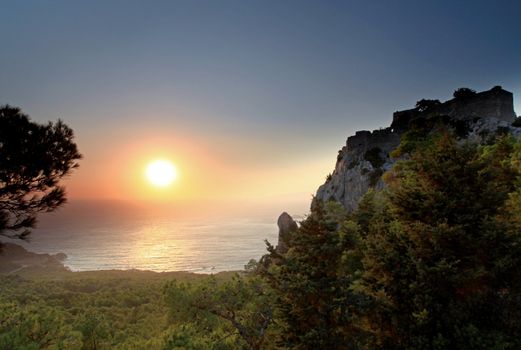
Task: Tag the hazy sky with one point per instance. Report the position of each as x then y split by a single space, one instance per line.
251 99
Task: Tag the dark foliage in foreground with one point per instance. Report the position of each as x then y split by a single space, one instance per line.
442 251
431 263
33 158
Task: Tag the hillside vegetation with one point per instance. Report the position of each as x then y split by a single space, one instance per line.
430 262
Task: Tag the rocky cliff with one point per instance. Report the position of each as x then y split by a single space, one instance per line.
366 155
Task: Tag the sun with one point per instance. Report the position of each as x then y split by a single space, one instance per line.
161 173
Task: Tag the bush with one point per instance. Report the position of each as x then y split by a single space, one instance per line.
424 105
463 93
374 157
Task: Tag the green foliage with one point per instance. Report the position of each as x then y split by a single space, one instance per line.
440 262
251 266
369 208
99 310
423 131
33 158
235 314
411 140
429 263
313 301
94 329
189 337
36 326
432 262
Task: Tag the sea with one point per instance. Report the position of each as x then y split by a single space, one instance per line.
99 235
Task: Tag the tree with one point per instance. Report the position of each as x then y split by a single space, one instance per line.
35 326
425 105
315 307
33 159
463 93
235 314
441 256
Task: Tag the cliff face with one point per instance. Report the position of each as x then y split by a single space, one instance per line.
365 157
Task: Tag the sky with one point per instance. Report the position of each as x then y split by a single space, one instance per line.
251 100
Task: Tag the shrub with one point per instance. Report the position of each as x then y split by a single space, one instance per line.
424 105
374 157
463 92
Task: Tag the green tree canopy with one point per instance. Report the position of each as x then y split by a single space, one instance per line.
235 314
441 256
315 306
429 263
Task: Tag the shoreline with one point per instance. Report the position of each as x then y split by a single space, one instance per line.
16 260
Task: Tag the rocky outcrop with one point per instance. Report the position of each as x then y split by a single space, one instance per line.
366 155
286 226
360 165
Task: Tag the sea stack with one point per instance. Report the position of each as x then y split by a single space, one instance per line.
286 226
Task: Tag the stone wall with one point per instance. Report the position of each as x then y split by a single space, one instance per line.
494 103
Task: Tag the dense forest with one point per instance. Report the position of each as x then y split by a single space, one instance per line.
430 262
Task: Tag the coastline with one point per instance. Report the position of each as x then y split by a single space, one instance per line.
16 260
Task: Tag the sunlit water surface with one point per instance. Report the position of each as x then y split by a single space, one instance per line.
99 238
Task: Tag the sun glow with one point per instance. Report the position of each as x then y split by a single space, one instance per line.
161 173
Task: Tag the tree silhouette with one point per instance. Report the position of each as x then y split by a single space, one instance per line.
33 158
425 105
463 93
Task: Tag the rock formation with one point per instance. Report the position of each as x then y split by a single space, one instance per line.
286 226
366 155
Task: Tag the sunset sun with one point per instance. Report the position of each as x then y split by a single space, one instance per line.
161 173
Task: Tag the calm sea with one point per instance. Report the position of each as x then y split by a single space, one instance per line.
100 236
